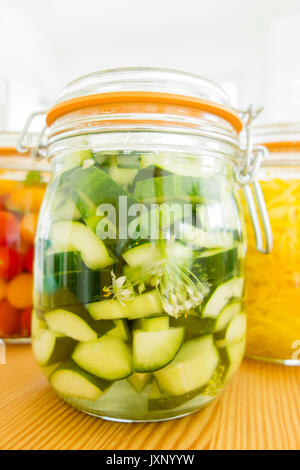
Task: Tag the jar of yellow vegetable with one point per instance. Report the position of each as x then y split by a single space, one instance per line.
273 293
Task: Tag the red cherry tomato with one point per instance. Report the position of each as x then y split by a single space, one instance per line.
29 259
26 321
9 319
2 202
11 262
9 228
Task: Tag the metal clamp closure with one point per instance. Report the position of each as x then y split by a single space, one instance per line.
246 176
38 149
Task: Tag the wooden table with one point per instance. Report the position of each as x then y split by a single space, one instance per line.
260 409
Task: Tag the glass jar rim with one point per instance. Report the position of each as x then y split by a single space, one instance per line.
281 137
145 85
8 143
11 158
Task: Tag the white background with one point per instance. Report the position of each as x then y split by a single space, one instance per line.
251 46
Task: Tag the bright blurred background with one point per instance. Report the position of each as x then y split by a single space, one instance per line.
251 47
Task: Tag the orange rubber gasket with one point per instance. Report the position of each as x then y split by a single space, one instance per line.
12 152
284 146
155 98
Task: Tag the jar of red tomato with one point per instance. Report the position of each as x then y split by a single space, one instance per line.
23 180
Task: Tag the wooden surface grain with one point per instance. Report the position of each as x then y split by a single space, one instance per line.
260 409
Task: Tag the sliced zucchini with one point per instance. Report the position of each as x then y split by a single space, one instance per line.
228 312
232 356
99 188
194 325
108 357
62 262
215 264
183 165
161 401
152 350
122 176
218 215
221 296
199 238
149 171
152 324
64 209
77 157
144 305
76 323
185 188
139 381
140 254
70 380
191 369
37 324
67 235
120 330
128 160
235 331
50 347
158 222
86 285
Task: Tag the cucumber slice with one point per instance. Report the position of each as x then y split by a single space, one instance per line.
76 323
62 262
85 285
67 235
199 238
194 325
228 312
144 305
160 401
232 356
191 369
108 358
152 324
64 209
120 330
182 165
218 215
150 171
122 176
96 185
125 160
235 331
70 380
139 381
153 350
221 296
87 209
151 251
77 156
185 188
158 222
215 264
37 324
50 347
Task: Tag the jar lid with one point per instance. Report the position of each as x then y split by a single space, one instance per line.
278 138
144 86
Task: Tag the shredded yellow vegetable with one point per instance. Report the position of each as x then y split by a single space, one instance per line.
273 292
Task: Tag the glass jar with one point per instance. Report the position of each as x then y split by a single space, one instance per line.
139 265
22 187
273 294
